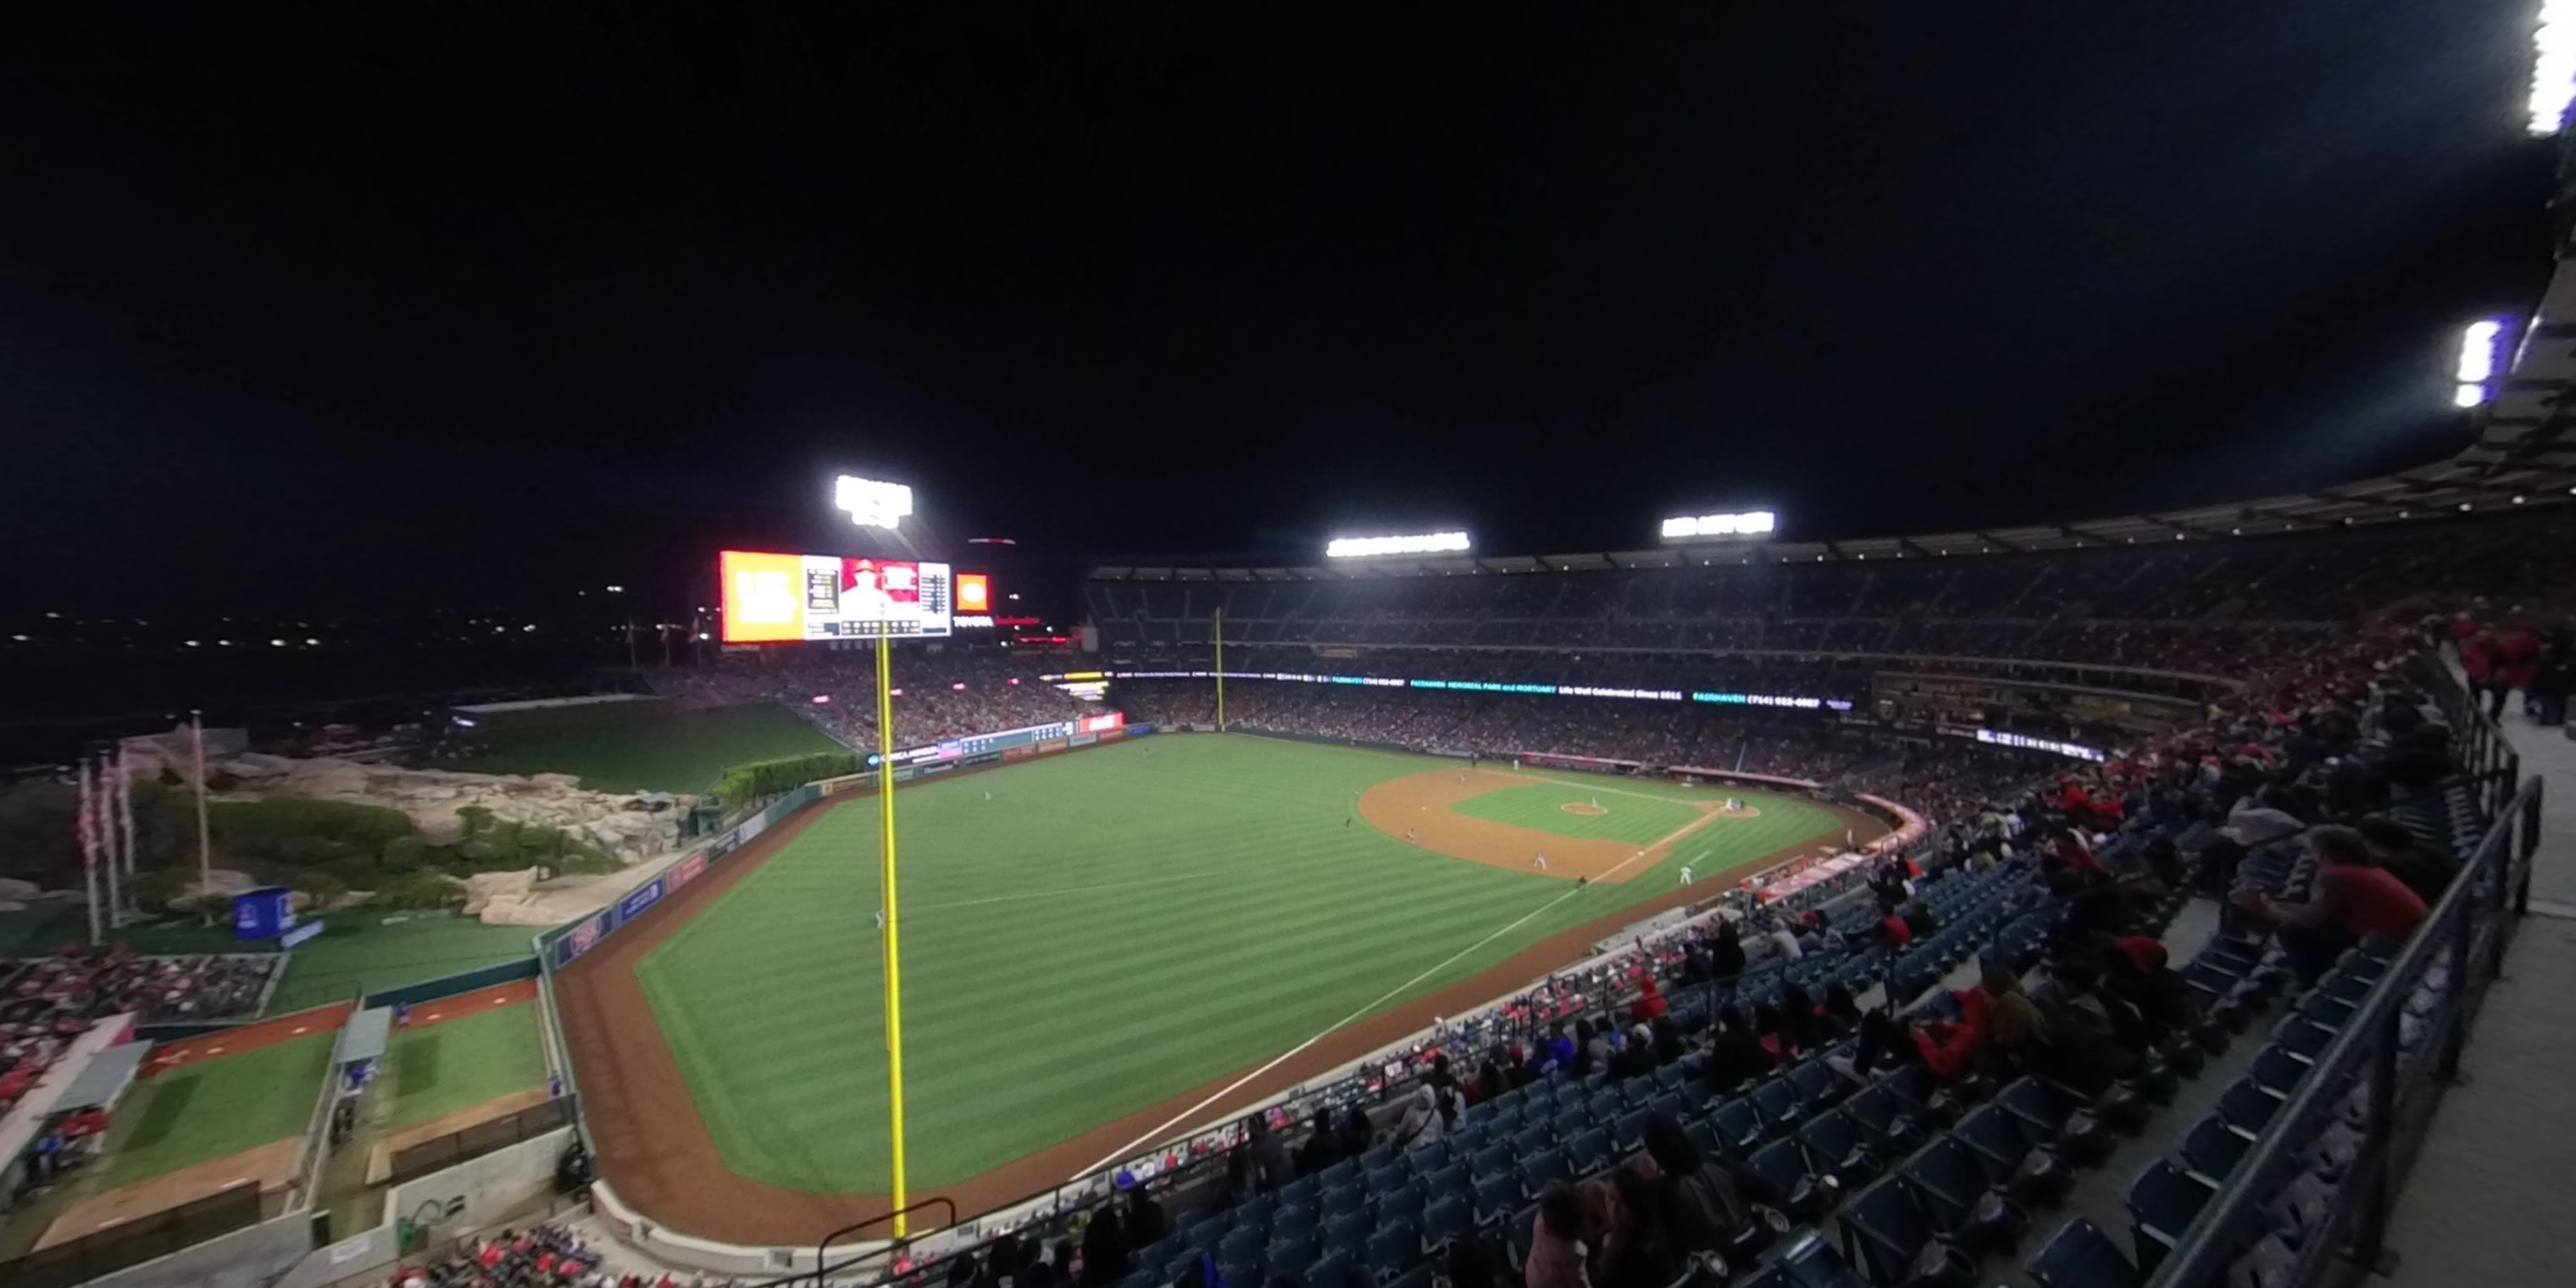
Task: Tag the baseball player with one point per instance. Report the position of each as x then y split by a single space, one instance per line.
1686 874
1542 860
1408 835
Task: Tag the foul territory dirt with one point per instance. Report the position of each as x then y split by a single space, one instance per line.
656 1152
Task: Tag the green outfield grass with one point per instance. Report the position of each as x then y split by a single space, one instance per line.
659 751
1108 930
457 1064
209 1109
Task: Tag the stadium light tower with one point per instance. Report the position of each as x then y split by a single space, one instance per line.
2553 67
2477 363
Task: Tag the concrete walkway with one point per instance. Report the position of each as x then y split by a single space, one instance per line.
2483 1205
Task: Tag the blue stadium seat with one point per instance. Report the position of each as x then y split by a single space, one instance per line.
2248 1106
1962 1202
2162 1202
1543 1167
1492 1159
1784 1165
1241 1245
1885 1228
1292 1255
1418 1277
1383 1180
2213 1149
1889 1121
1345 1200
1588 1151
2081 1256
1337 1268
1737 1126
1401 1205
1532 1140
1451 1179
1628 1133
2277 1071
1446 1220
1351 1230
1781 1105
1394 1250
1702 1136
1496 1197
1378 1158
1838 1148
1294 1218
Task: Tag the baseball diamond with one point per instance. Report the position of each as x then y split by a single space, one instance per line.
1273 876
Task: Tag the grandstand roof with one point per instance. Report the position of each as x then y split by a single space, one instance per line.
2525 454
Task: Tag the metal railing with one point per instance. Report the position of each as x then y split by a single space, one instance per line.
2386 1068
132 1243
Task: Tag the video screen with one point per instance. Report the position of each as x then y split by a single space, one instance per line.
774 598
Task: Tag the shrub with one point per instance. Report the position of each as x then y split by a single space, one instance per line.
743 784
589 860
477 820
282 828
322 887
405 852
423 889
155 890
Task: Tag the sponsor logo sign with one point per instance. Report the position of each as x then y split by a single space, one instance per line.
687 870
639 898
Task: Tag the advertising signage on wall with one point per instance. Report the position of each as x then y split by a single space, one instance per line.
1489 686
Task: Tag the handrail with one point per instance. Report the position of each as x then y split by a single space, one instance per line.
823 1247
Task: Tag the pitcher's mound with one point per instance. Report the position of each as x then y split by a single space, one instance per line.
1578 807
1740 811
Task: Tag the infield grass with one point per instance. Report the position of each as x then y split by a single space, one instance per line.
208 1109
660 751
1085 936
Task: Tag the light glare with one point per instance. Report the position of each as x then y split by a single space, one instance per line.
1749 524
2553 66
1417 544
871 504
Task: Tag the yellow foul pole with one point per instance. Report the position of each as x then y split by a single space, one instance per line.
1220 670
893 949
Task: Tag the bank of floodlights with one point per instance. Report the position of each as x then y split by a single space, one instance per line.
2478 356
2553 66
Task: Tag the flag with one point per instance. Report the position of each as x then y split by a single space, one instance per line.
87 826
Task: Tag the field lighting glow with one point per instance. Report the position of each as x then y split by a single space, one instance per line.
1423 543
2553 66
1752 523
2477 363
871 504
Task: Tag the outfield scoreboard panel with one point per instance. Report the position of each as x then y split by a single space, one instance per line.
775 598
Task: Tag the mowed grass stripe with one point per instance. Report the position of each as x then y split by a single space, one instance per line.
1028 1022
210 1109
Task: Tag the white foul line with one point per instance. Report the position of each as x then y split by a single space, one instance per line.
1049 894
1391 994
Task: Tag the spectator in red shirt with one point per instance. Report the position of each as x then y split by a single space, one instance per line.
2350 901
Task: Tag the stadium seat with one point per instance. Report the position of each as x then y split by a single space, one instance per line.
1241 1274
1496 1197
1418 1277
1702 1136
1532 1140
1838 1148
2247 1106
1963 1203
1337 1268
1885 1229
2081 1256
1446 1220
1737 1126
1780 1105
1891 1126
2015 1155
1292 1256
1541 1168
1394 1250
1785 1167
2162 1202
1492 1159
1294 1218
2277 1071
1344 1201
1386 1180
1403 1204
1589 1151
1816 1084
1628 1133
1241 1245
1450 1179
1351 1230
2213 1149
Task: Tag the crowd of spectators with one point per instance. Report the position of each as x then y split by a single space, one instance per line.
47 1002
545 1256
946 694
2211 608
2314 752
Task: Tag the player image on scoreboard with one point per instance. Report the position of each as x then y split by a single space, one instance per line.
832 597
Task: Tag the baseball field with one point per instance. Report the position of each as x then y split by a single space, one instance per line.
1101 950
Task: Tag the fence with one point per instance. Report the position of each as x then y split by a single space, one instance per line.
2399 1048
134 1242
482 1138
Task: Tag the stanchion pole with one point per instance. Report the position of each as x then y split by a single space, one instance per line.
893 921
1220 670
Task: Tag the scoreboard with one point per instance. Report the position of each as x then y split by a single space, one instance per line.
773 598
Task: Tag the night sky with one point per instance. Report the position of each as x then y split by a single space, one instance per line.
328 304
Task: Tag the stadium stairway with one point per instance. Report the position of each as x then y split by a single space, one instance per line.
2482 1204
